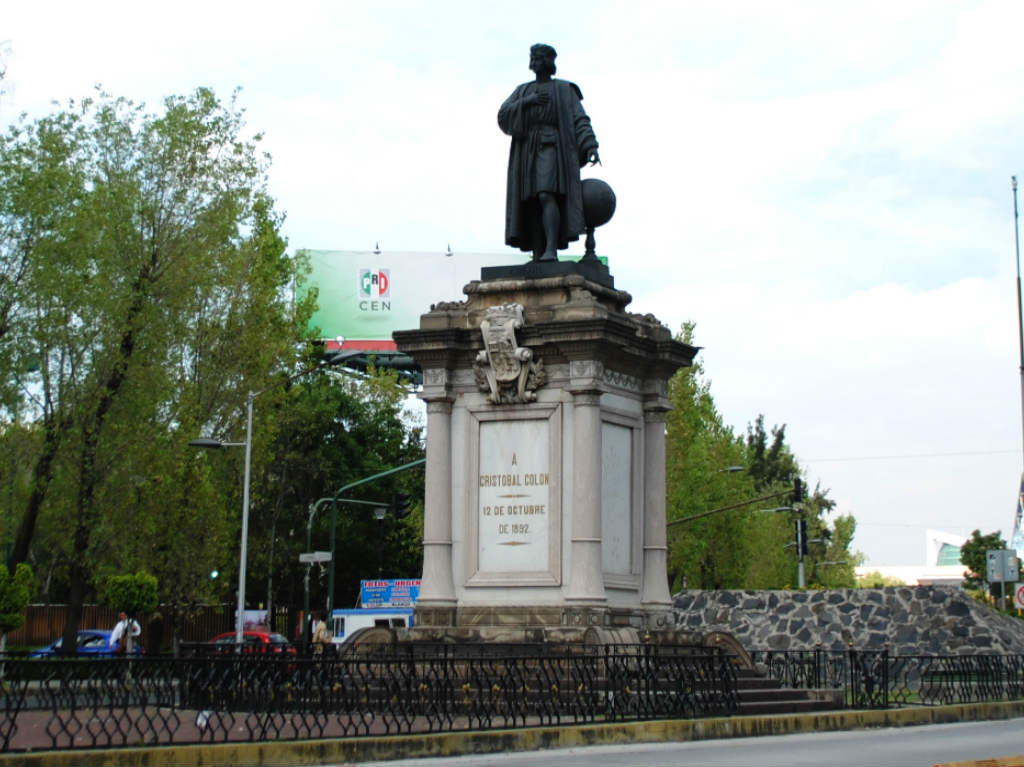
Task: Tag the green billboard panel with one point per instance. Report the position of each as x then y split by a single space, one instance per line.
365 295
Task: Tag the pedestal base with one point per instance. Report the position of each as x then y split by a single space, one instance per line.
536 621
595 271
551 635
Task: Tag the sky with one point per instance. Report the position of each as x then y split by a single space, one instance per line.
822 187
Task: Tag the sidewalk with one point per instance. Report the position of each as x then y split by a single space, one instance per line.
363 749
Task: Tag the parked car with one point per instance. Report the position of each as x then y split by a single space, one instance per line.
93 642
253 642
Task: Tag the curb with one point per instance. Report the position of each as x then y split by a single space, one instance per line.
362 749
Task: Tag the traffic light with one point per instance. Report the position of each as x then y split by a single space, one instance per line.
801 537
400 505
798 491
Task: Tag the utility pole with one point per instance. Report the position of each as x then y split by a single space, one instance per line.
1020 310
1017 537
801 532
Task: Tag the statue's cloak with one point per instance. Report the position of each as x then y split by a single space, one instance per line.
575 141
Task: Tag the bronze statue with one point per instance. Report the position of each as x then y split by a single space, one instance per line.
551 140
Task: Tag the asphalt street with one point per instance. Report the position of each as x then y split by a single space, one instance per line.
887 747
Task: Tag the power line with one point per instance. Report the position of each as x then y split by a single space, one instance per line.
728 508
910 456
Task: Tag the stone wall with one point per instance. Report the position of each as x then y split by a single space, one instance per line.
912 619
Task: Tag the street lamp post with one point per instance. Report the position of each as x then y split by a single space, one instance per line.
216 444
243 557
207 442
243 554
334 500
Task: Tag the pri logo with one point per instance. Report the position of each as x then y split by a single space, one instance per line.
375 283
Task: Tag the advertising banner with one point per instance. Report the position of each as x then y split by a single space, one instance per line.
392 592
365 295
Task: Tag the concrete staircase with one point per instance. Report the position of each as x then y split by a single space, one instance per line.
760 695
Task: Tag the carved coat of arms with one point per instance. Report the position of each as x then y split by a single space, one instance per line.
507 371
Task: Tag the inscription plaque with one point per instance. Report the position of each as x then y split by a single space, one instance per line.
514 495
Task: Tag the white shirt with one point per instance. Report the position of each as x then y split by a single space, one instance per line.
119 630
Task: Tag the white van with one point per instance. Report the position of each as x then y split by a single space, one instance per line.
344 623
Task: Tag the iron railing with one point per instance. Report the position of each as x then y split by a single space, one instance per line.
106 702
879 679
404 689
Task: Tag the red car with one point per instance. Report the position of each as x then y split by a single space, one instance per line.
253 642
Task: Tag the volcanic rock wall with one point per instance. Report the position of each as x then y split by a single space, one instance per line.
912 619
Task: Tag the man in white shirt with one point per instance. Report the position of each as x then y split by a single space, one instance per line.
129 629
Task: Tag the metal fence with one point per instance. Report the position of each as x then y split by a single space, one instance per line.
878 679
111 702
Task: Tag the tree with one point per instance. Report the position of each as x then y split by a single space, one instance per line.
743 546
829 562
770 465
833 565
875 580
134 594
713 551
973 554
145 289
15 593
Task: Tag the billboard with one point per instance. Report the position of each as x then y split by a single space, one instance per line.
364 295
392 592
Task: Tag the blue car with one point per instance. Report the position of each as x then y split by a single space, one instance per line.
91 642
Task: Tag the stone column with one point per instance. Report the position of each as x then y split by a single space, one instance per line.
655 585
586 582
438 586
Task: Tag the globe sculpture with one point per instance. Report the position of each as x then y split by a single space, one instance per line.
598 209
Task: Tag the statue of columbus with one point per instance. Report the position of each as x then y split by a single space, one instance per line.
551 140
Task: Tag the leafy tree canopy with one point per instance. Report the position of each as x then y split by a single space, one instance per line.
133 594
973 554
15 593
744 545
875 580
144 290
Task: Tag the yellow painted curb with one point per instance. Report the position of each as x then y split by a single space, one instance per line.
302 752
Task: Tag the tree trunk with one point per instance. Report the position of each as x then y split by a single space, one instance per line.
88 475
42 476
76 599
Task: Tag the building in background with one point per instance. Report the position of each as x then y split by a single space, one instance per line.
942 566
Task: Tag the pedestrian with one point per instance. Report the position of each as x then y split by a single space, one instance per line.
128 629
321 636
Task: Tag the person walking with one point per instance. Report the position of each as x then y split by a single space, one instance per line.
127 629
321 636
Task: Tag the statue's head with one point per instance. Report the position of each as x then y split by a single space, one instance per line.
542 57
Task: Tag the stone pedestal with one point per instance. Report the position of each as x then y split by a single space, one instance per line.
545 477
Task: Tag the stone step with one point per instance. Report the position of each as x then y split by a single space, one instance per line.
754 696
754 708
757 683
759 694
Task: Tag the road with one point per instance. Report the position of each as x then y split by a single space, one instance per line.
889 747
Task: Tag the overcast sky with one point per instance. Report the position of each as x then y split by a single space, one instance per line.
823 187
